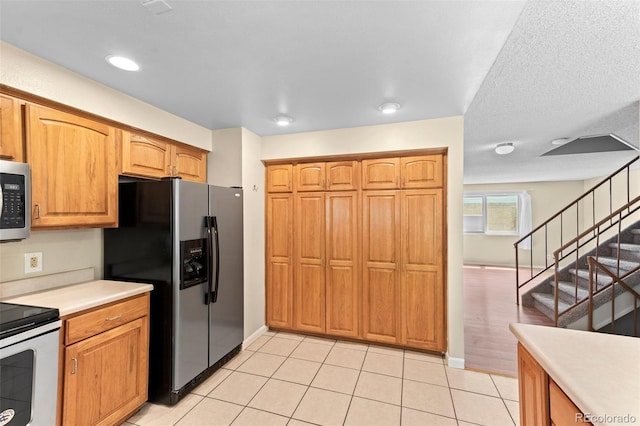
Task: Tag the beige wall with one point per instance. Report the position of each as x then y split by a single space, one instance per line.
76 249
224 163
437 133
32 74
547 198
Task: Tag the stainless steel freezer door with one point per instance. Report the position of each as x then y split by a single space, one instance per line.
227 313
191 315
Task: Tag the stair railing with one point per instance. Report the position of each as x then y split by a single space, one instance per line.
594 233
616 279
559 220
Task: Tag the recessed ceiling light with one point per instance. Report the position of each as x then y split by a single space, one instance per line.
389 107
122 63
504 148
560 141
283 120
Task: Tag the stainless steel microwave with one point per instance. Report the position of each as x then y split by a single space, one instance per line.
15 200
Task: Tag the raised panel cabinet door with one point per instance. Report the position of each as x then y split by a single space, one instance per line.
309 286
279 281
342 271
106 376
383 173
189 163
343 175
422 283
421 172
74 178
280 178
11 147
534 390
380 262
310 176
142 156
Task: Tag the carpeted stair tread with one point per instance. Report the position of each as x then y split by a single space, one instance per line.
626 246
569 289
548 300
635 231
612 263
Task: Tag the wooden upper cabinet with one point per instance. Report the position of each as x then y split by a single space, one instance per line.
11 146
280 178
421 172
343 175
148 157
309 177
382 173
74 176
142 156
189 163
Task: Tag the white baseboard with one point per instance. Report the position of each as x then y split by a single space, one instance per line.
249 340
455 362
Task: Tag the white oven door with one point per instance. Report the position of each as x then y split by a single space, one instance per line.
29 377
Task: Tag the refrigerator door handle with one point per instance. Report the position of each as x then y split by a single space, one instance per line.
207 293
214 222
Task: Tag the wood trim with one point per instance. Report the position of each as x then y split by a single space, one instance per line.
357 157
39 100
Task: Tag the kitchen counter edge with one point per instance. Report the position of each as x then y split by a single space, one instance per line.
76 298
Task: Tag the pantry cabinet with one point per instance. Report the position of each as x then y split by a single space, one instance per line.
279 268
106 362
368 249
74 176
11 146
154 158
309 283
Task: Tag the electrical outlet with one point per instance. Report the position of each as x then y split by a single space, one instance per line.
32 262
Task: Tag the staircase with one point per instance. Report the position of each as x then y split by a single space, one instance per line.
592 248
573 279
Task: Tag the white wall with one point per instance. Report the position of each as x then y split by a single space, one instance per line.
547 198
436 133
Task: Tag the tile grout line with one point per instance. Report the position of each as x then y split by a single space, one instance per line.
455 413
503 401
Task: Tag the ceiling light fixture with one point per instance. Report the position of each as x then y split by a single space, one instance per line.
283 120
123 63
389 107
560 141
504 148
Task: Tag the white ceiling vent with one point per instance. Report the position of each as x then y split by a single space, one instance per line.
590 144
157 7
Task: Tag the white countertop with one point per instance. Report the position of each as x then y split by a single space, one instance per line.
78 297
599 372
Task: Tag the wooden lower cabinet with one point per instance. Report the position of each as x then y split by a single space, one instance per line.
309 281
106 374
279 273
342 272
542 402
381 262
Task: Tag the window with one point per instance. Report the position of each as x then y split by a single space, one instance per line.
494 214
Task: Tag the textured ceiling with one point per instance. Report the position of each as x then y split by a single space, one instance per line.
521 72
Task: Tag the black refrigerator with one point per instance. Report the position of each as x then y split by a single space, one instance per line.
185 238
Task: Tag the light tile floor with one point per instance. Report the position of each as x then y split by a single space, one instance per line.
289 379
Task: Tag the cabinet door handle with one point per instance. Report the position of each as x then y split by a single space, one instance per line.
169 169
37 211
114 318
74 368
